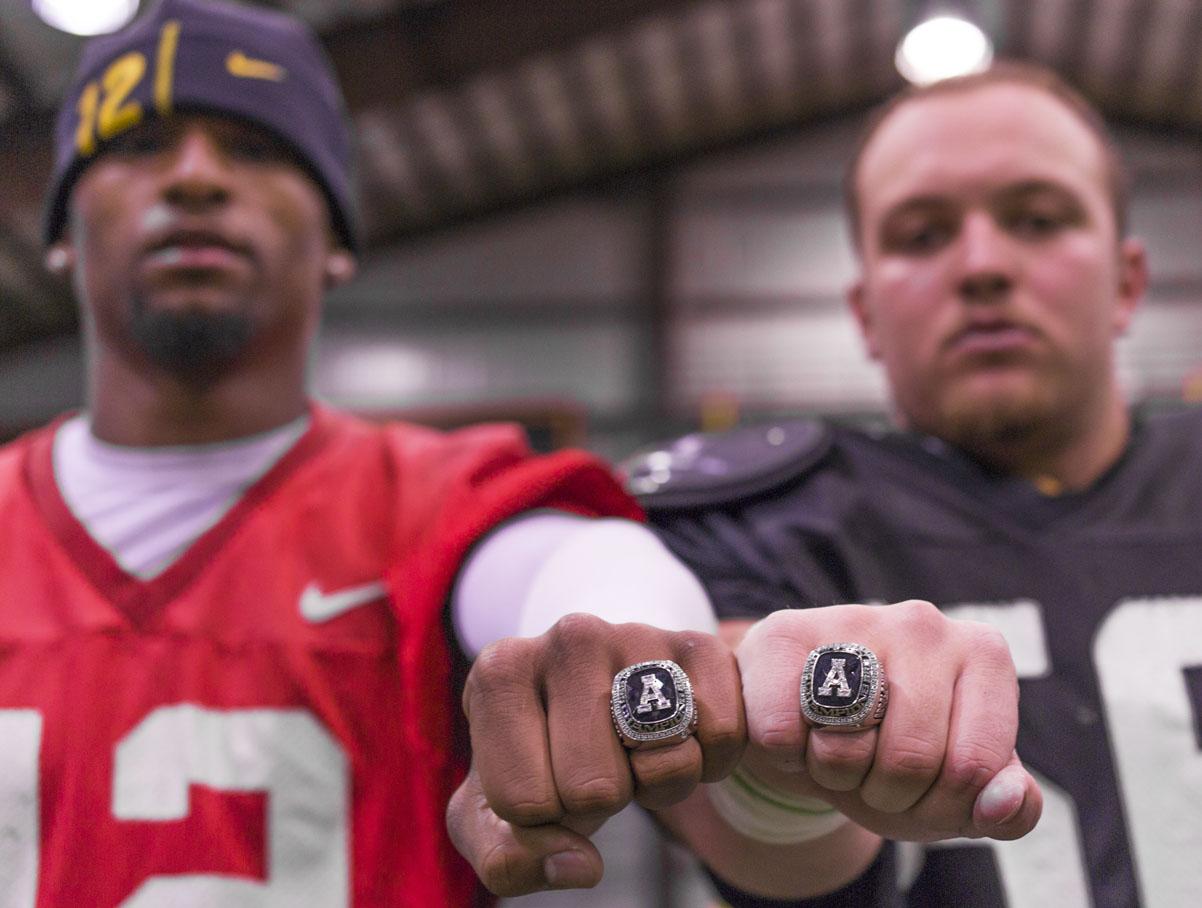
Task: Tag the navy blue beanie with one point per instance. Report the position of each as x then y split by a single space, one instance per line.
255 65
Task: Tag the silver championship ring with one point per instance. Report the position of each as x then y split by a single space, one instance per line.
843 686
652 704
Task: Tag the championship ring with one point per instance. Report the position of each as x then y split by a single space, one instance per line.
843 686
652 704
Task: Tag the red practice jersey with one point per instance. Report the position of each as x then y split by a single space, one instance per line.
270 721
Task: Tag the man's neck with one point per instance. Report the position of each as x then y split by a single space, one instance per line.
1067 458
132 408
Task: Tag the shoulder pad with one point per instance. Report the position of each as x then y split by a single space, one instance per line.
702 470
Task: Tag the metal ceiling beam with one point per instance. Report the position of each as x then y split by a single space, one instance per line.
439 46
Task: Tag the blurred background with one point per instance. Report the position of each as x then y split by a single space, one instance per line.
617 220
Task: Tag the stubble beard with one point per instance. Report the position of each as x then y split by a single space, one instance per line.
1009 431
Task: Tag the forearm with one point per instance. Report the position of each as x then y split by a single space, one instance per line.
777 871
533 571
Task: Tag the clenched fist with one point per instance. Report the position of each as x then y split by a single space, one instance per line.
547 765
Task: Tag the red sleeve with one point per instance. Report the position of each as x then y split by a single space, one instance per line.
454 488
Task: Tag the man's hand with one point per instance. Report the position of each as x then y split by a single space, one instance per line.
547 765
942 763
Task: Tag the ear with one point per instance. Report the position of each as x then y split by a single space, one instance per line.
858 303
60 259
340 268
1132 282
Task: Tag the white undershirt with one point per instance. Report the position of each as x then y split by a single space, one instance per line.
146 506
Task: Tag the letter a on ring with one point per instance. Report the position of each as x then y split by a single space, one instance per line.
652 703
843 686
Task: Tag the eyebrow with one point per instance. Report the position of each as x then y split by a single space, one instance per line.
1021 189
921 204
1036 187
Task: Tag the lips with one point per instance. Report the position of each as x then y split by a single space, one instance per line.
195 249
996 337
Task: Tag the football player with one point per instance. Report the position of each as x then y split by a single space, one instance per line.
996 273
225 672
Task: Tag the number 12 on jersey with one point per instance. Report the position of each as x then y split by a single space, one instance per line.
284 753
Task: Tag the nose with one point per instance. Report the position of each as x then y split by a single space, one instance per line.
197 175
987 266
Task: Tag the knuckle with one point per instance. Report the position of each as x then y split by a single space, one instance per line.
667 767
499 669
838 775
909 761
778 623
776 620
989 637
844 761
498 663
990 644
722 735
576 633
600 795
694 642
842 752
527 811
970 765
666 791
921 616
776 730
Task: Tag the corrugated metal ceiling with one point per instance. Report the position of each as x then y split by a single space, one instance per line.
465 107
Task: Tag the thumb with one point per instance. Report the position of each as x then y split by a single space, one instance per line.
518 860
1009 806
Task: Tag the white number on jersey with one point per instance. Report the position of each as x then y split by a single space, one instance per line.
1139 654
284 753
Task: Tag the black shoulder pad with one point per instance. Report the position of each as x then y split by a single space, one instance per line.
704 470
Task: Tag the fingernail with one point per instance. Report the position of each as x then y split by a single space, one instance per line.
568 870
1001 799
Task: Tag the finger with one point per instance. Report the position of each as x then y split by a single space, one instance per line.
591 772
982 731
838 760
512 860
770 660
718 693
666 775
981 734
914 734
503 701
1010 805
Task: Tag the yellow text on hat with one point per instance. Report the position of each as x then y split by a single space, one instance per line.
244 67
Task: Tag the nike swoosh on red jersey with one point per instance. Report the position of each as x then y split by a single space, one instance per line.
318 606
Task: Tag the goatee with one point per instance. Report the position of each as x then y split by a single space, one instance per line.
194 346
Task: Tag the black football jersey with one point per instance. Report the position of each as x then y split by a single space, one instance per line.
1098 593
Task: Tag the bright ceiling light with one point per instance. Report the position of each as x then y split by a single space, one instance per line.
942 47
86 17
